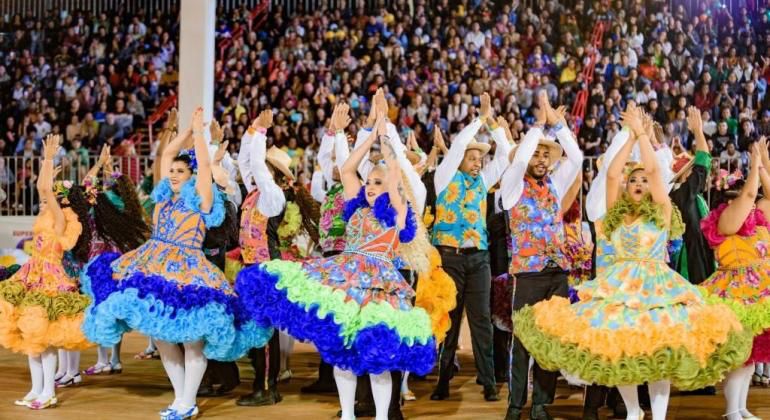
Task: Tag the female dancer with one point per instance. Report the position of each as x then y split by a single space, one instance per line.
355 307
40 306
166 288
638 321
118 224
738 233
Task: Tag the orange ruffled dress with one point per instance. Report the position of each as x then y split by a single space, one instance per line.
638 321
41 306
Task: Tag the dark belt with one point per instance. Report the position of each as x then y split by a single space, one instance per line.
457 251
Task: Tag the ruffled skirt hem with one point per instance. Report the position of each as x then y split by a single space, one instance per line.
682 368
161 309
372 338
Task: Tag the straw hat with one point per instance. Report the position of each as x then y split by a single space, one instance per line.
555 151
279 160
222 178
481 147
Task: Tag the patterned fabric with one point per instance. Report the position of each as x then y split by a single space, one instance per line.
537 229
331 228
40 305
743 275
167 289
355 307
174 250
577 253
605 254
460 213
502 296
253 236
638 321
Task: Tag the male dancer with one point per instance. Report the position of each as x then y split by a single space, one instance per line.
533 194
460 235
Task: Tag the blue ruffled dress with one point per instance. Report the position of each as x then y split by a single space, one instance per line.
166 289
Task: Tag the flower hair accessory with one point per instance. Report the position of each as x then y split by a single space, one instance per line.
725 180
193 160
62 190
111 180
91 191
631 167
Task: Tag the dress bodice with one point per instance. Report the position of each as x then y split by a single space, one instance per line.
639 240
176 224
47 245
364 233
740 251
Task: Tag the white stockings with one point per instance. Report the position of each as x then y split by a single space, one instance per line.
184 370
346 387
659 394
737 392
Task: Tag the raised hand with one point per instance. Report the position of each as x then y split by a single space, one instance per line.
197 121
382 103
220 153
485 107
264 120
438 139
172 120
755 155
50 146
557 116
632 119
340 117
763 152
694 120
217 133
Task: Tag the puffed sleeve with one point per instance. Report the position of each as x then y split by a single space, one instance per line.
72 229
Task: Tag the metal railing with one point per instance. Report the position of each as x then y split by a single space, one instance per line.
18 178
39 8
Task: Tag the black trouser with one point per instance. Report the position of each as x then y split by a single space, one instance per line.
258 362
472 278
530 288
223 373
501 343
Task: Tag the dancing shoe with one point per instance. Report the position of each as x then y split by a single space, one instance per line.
68 381
285 376
441 392
513 413
408 395
42 405
539 412
319 387
176 415
259 398
97 369
26 401
490 393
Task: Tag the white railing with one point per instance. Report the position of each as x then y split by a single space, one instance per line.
18 178
40 8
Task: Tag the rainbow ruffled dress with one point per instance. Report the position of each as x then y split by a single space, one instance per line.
355 307
638 321
40 305
743 277
166 289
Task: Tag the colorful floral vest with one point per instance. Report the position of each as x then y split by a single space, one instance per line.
253 233
331 228
461 213
537 231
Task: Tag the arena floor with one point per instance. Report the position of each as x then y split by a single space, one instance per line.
142 390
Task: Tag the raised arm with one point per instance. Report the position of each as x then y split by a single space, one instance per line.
596 199
334 142
492 172
395 187
658 188
45 183
204 183
448 167
172 150
572 193
615 170
104 158
244 158
349 171
415 182
731 220
271 197
565 175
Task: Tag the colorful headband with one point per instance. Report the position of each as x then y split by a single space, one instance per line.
62 190
110 181
631 168
193 160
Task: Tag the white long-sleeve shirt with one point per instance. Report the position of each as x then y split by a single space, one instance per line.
229 167
255 174
512 184
490 174
596 199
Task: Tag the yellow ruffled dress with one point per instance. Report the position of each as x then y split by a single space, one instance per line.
40 305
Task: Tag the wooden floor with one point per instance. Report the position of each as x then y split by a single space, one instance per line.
142 390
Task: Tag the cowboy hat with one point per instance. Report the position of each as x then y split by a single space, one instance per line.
222 178
555 151
681 165
481 147
279 160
